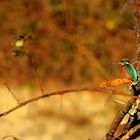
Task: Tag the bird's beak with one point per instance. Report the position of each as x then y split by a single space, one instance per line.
117 62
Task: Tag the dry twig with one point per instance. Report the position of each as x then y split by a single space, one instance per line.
67 91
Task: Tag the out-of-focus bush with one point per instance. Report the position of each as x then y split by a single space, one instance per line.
98 25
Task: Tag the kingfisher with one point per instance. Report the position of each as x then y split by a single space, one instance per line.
129 70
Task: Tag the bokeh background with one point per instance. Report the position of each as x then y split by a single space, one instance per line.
75 44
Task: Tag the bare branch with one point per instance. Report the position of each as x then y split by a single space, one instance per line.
67 91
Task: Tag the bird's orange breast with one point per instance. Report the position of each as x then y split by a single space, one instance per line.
125 73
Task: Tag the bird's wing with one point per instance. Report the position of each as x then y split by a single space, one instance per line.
131 72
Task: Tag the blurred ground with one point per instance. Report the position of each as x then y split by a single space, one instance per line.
73 116
76 43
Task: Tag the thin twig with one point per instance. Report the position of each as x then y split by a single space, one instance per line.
9 89
36 70
67 91
10 136
119 102
125 5
38 78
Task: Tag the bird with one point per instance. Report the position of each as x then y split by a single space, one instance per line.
129 70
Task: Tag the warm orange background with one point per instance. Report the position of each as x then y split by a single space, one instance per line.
76 44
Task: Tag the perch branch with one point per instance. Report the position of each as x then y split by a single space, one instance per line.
62 92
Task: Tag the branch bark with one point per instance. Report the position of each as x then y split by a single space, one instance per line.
128 118
62 92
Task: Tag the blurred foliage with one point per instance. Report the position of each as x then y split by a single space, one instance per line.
98 25
52 44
